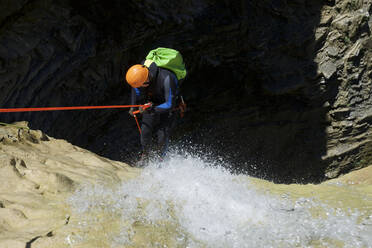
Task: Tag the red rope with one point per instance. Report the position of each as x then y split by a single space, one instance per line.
65 108
138 125
11 110
145 106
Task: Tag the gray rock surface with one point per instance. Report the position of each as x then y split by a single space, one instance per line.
280 88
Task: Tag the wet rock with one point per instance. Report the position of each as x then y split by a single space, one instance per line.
328 69
332 51
35 180
9 8
340 114
354 51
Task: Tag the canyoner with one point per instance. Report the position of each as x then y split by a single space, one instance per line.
155 96
156 86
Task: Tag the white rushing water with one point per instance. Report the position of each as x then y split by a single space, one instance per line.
206 206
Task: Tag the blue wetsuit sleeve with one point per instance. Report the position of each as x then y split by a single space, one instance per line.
135 93
169 95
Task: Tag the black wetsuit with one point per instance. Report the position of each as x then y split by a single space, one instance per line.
162 92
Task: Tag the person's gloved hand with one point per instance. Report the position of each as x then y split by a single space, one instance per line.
145 110
131 110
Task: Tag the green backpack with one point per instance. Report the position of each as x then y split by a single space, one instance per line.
169 59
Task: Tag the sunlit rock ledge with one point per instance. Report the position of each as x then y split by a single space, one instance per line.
38 175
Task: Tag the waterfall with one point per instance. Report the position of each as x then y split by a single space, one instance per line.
188 202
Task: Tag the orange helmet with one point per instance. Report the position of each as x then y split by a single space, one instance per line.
137 75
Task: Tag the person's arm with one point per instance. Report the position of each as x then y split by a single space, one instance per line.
169 94
135 95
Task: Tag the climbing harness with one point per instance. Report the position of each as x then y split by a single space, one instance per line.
182 107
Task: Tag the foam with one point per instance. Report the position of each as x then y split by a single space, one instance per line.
207 205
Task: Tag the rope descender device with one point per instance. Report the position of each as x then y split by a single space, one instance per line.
144 107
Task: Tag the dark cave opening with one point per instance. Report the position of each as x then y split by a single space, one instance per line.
260 133
252 90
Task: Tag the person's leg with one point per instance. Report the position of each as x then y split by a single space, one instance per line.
163 132
147 127
163 141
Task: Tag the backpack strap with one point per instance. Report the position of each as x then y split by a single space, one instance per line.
153 68
148 63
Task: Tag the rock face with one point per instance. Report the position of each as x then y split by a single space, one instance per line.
345 65
37 173
280 88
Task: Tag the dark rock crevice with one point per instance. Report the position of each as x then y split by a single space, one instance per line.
29 243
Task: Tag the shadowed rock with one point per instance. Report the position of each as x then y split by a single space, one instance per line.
266 78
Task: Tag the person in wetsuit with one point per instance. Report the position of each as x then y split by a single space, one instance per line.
158 86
